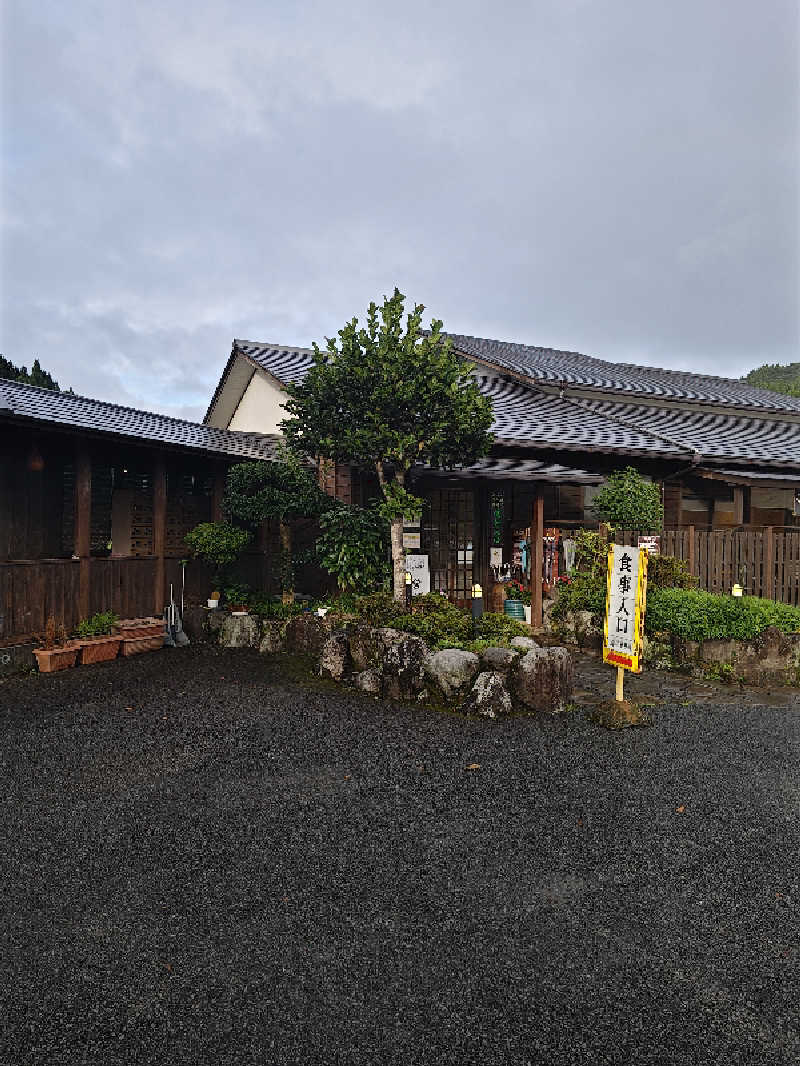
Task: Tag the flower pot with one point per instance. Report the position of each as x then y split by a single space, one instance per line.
514 609
213 603
139 627
98 649
137 645
238 609
52 659
527 610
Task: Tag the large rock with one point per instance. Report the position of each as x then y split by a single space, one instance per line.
489 696
370 681
239 631
403 667
306 633
451 671
542 680
273 638
523 643
368 645
334 659
501 659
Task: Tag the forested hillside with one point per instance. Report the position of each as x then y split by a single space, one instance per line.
777 377
37 376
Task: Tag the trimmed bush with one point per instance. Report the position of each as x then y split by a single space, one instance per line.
695 615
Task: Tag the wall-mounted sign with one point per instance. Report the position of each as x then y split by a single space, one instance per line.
495 557
417 566
626 592
652 545
411 539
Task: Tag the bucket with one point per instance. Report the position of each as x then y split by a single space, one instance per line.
515 609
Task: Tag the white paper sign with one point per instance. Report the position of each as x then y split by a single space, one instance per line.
411 539
622 600
417 566
495 557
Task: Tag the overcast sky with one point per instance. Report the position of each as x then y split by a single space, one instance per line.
618 178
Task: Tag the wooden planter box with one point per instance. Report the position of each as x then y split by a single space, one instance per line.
98 649
136 645
139 627
52 659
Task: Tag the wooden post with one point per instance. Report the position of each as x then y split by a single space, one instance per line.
620 695
218 493
83 524
159 529
768 584
537 557
690 553
738 505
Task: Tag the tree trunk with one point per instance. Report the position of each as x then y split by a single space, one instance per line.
287 592
398 551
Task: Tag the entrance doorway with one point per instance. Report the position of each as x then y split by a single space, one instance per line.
447 539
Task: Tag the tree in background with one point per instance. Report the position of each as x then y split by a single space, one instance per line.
388 396
37 376
354 547
285 489
219 544
776 377
628 501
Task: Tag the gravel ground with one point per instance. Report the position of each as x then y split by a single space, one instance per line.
205 862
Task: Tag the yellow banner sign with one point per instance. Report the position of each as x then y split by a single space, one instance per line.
626 595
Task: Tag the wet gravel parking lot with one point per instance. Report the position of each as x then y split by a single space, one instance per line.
206 861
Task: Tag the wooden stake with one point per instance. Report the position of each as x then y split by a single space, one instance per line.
620 684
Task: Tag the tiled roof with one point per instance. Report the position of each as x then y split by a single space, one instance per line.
288 365
547 365
97 416
516 469
714 436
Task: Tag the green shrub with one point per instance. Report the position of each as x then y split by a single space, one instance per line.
587 592
379 608
628 501
498 629
97 626
354 547
695 615
668 572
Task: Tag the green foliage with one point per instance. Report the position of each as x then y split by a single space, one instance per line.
498 629
398 502
668 572
777 377
725 672
217 543
591 553
284 489
379 609
237 594
267 607
440 623
354 547
98 625
587 592
627 501
695 615
37 376
515 590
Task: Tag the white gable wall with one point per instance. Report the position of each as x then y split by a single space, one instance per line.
260 408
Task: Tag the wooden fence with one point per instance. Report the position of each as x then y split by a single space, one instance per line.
765 562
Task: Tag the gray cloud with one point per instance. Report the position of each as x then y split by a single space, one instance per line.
613 178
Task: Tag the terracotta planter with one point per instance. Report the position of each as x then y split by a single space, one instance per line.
238 608
139 627
52 659
137 645
98 649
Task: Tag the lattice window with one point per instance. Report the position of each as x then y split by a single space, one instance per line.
447 539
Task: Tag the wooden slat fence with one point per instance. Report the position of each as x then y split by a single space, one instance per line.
765 562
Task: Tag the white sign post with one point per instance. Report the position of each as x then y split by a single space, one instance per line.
417 566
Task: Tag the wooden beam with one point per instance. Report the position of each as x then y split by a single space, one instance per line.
83 523
537 556
159 529
218 493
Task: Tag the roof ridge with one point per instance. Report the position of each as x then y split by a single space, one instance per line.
583 406
124 407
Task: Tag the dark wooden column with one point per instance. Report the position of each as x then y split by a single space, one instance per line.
83 524
537 556
159 529
768 583
218 493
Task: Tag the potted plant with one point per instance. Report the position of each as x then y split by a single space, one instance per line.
218 544
95 640
237 596
514 606
56 652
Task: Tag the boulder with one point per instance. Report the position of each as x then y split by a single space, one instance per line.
239 631
368 645
369 681
334 659
403 667
523 643
306 633
542 680
451 671
501 659
488 697
272 636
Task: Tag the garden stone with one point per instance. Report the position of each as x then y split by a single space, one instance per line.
489 696
499 658
403 668
215 621
523 643
542 680
306 633
334 659
273 639
369 681
239 631
368 645
452 671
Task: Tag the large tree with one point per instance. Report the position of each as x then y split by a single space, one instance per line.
389 395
